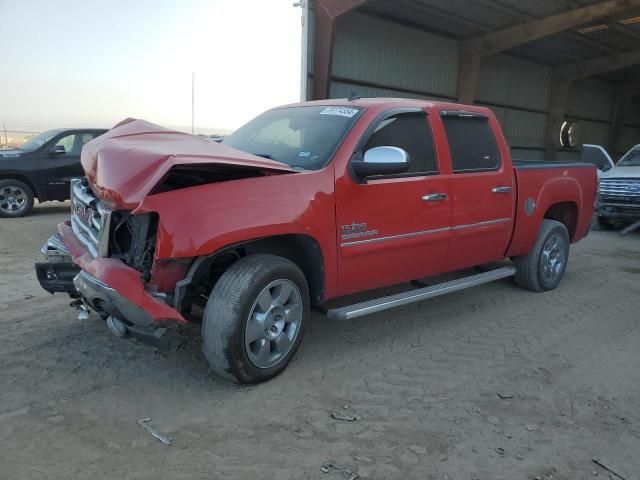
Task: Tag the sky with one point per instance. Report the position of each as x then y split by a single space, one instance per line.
82 63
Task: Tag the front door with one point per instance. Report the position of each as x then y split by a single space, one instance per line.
394 229
62 163
483 192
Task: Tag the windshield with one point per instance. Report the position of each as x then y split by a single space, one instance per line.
302 137
631 159
38 141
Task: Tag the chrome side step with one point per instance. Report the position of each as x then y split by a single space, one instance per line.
399 299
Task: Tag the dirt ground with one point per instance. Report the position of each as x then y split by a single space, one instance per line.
425 379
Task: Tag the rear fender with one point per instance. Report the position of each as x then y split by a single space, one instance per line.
536 205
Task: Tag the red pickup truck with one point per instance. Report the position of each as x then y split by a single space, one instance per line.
303 204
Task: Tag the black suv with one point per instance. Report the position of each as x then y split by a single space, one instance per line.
41 168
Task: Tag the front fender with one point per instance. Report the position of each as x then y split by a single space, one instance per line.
199 221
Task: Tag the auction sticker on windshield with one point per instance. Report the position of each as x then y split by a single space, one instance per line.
340 111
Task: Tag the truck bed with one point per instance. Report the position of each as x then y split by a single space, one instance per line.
540 184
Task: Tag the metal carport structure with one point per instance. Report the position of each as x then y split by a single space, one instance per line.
536 63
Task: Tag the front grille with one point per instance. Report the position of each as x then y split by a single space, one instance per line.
118 234
90 221
620 191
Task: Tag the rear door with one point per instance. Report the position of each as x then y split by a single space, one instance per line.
396 228
483 190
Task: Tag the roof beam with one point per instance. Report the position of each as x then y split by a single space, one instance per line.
510 37
599 65
622 28
335 8
520 15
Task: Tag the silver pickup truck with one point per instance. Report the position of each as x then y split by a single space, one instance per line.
619 187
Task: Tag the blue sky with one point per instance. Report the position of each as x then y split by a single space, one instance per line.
86 63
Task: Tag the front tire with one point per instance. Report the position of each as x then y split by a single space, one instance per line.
16 198
255 318
543 268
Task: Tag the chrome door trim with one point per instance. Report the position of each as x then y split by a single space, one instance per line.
395 237
482 224
426 232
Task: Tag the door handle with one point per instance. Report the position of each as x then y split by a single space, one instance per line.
501 189
435 197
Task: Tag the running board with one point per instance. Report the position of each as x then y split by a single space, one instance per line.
399 299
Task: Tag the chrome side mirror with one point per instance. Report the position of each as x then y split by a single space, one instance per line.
382 161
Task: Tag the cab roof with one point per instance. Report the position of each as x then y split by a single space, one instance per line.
389 102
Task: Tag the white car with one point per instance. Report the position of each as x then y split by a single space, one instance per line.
619 191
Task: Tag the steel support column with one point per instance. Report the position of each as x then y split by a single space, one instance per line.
468 75
326 13
620 107
560 88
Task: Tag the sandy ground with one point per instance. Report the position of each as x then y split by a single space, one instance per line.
424 379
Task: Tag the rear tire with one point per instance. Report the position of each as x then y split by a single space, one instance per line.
16 198
543 268
255 318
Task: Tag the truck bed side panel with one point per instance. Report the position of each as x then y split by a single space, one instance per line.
545 184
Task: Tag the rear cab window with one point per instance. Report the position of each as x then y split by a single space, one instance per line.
472 142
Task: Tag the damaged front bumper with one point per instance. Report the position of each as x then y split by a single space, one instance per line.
56 274
105 285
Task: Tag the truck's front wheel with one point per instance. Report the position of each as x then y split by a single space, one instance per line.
16 199
543 268
255 318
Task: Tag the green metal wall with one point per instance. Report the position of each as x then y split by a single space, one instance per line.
374 57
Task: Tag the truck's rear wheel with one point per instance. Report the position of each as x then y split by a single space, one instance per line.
543 268
16 198
255 318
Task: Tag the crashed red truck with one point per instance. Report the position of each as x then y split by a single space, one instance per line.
305 204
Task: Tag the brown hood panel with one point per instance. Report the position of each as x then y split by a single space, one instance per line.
128 161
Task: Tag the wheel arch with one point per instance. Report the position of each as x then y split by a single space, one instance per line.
565 213
303 250
21 178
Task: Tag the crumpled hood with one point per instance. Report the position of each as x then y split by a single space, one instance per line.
622 172
126 163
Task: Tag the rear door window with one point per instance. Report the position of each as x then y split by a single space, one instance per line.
411 132
472 143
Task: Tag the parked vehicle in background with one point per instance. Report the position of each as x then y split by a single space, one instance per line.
597 155
304 204
41 168
619 191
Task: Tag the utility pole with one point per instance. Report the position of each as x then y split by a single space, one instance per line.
193 96
6 139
